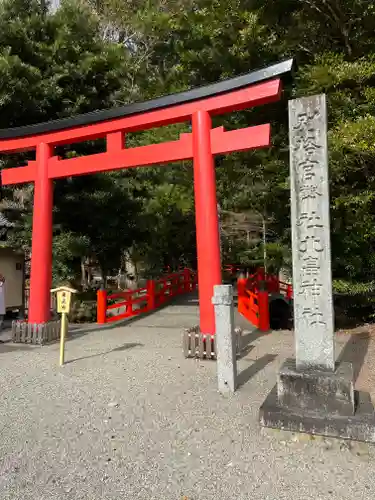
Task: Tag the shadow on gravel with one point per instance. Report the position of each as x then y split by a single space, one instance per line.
125 347
254 368
246 340
190 299
245 350
355 351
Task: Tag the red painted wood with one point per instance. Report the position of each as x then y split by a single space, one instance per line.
264 311
241 139
156 293
117 158
115 141
101 307
253 302
20 175
202 146
248 302
41 251
255 95
206 220
151 294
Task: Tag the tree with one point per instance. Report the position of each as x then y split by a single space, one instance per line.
332 42
103 213
54 65
140 50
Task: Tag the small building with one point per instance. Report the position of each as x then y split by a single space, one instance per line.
12 267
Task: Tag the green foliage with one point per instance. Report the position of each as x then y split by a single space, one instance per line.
83 311
94 54
102 213
68 247
51 66
332 41
56 65
348 288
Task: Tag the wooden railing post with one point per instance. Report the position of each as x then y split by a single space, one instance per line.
151 295
277 287
241 286
263 304
193 281
102 307
261 275
129 304
187 278
174 285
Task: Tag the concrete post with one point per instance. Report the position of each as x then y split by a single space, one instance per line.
225 338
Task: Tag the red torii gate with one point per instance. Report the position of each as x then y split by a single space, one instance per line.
198 105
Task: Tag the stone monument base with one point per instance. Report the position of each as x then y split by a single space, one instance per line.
318 402
35 333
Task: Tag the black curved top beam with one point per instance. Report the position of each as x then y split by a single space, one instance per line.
276 70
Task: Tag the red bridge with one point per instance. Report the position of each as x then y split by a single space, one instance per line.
257 296
156 293
263 299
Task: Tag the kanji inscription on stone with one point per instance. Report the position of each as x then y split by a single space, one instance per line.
312 279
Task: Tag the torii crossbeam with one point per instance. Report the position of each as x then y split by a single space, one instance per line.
196 105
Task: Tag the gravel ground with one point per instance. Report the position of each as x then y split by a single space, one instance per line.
129 418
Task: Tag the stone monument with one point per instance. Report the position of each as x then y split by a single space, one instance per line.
313 394
312 284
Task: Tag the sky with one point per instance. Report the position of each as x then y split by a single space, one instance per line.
55 4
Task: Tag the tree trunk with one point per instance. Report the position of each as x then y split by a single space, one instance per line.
89 274
131 272
84 283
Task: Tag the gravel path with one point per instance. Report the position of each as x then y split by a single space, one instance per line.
129 418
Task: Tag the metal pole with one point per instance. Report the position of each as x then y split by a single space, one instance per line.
63 332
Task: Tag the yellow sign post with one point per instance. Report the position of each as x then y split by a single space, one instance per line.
64 295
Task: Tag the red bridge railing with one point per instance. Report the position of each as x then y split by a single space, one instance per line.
274 285
253 302
131 303
253 297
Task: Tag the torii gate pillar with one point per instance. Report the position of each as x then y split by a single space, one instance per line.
208 243
41 249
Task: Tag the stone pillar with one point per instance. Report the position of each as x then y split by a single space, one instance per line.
225 338
312 283
312 394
